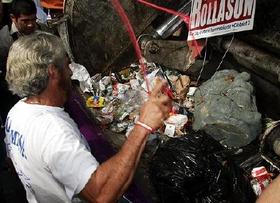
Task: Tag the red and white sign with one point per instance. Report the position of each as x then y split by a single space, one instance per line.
217 17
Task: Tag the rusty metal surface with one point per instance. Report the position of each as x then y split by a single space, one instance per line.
172 54
267 40
256 60
96 34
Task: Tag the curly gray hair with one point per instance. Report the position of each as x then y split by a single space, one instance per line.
28 62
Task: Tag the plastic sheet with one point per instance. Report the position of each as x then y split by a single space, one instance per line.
226 109
196 168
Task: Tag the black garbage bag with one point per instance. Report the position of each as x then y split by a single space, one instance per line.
196 168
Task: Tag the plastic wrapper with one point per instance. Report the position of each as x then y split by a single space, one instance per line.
105 86
196 168
95 102
121 90
261 179
151 79
119 127
81 74
134 84
154 77
189 103
130 104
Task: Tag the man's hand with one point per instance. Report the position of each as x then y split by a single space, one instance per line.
157 108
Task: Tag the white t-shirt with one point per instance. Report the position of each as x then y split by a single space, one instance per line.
51 156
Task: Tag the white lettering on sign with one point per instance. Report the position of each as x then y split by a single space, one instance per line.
207 14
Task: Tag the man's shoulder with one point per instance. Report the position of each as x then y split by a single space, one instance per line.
5 37
56 117
5 29
38 112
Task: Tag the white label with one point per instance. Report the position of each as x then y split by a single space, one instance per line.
170 130
219 17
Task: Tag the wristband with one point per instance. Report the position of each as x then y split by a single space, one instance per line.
144 126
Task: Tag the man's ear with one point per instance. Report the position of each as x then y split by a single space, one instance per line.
53 72
13 17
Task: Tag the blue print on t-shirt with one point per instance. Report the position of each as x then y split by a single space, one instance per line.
14 137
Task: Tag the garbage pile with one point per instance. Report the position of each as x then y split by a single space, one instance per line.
115 99
224 107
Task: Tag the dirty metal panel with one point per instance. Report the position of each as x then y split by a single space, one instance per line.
96 34
171 54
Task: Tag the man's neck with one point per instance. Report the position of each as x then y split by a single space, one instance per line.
47 99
